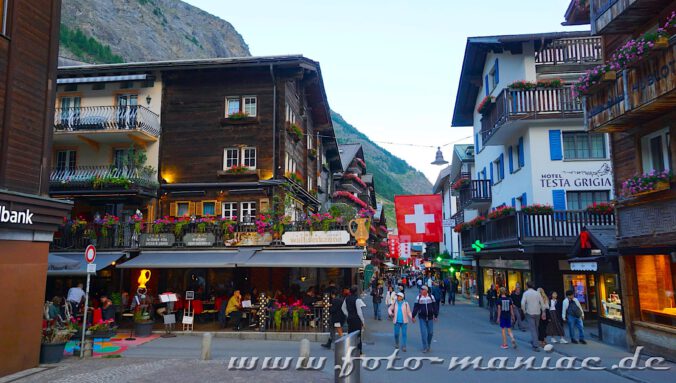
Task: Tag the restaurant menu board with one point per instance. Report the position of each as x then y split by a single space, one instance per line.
157 240
189 295
199 239
168 297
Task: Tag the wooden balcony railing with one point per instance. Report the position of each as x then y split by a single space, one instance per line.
582 50
540 103
622 17
101 177
560 227
476 192
107 118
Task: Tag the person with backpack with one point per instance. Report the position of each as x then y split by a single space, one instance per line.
572 313
506 317
400 312
425 310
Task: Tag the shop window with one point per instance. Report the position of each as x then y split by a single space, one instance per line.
611 297
656 278
584 289
655 151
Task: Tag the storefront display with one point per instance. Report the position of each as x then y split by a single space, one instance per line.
584 289
655 276
609 288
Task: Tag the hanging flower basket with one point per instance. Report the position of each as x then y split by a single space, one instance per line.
502 211
485 104
646 184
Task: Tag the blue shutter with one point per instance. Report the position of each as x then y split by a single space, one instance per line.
497 71
478 175
524 200
511 160
486 84
476 143
513 202
559 199
491 165
522 159
555 145
502 166
483 173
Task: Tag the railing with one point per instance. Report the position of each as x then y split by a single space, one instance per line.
107 118
582 50
598 7
553 228
101 177
459 216
540 103
477 191
72 236
309 321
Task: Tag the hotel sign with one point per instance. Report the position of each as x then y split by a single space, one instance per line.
157 240
334 237
19 217
600 178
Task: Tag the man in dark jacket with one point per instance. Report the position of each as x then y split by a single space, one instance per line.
426 311
436 294
352 308
492 299
337 317
377 294
519 315
445 287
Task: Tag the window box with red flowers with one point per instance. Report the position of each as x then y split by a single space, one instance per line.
355 178
477 221
461 226
485 105
646 184
295 177
502 211
537 209
239 118
601 208
460 183
351 197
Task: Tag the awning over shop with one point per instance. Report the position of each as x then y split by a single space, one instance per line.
74 264
186 259
321 258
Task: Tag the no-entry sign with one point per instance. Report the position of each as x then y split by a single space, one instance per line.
90 254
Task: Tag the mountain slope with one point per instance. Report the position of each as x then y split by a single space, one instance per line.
140 30
392 174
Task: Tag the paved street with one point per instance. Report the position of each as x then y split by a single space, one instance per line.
463 330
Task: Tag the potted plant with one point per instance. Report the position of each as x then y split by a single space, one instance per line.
537 209
312 154
501 211
143 322
460 183
105 329
295 131
485 104
602 208
477 221
279 225
53 342
646 183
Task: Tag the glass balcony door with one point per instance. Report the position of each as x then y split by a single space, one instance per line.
70 111
127 105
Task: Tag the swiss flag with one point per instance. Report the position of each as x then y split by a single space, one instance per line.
419 217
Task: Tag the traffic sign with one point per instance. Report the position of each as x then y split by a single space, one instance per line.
90 253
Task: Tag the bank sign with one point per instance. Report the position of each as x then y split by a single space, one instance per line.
601 178
13 216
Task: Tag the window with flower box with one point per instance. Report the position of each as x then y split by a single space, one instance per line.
245 157
248 212
229 210
655 151
247 105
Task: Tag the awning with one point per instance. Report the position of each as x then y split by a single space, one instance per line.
84 80
74 264
186 259
321 258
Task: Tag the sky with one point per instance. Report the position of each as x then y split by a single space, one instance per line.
390 67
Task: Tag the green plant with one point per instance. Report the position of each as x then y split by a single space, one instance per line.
237 169
342 211
142 314
537 209
295 177
312 153
54 333
87 48
644 183
116 298
179 225
501 211
238 116
280 224
295 131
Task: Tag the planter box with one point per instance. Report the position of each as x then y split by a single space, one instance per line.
609 76
51 353
239 121
662 185
143 330
103 334
662 42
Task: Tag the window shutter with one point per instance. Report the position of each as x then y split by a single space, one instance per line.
522 159
511 160
513 202
486 84
199 208
502 165
151 212
483 173
524 199
173 209
491 165
497 71
264 205
476 142
555 145
191 208
559 199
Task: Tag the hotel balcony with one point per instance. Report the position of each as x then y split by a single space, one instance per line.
639 94
623 16
569 55
106 124
513 108
102 180
475 195
560 228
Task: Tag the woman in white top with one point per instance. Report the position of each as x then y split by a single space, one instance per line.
554 328
390 296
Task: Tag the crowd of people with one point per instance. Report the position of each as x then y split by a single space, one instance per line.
534 311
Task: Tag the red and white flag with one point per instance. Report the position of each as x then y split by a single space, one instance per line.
393 245
419 217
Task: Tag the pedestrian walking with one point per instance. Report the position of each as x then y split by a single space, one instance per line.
445 285
400 312
555 329
453 290
436 293
572 313
425 310
534 308
491 298
505 317
337 318
377 294
390 296
519 315
352 308
545 320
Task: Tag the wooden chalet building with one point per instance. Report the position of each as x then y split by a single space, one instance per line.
634 99
29 42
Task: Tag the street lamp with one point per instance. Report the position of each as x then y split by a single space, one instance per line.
439 159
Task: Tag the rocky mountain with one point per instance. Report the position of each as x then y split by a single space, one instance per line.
104 31
107 31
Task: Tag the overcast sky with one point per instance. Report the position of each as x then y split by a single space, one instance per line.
390 67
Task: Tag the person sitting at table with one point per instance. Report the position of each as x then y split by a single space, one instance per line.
280 297
309 298
234 309
107 309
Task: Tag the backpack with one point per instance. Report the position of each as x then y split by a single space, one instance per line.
573 309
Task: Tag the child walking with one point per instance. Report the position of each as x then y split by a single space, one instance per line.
506 317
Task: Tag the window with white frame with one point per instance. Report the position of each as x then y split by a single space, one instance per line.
493 77
249 157
290 164
230 158
290 115
229 210
499 173
250 105
655 151
248 212
232 106
583 145
580 200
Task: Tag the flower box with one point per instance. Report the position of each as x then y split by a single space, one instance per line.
239 120
661 42
646 184
659 186
611 75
